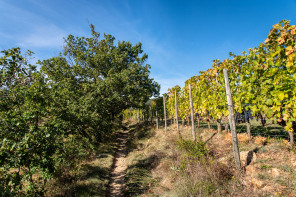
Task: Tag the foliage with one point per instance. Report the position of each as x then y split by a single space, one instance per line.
50 120
194 150
261 82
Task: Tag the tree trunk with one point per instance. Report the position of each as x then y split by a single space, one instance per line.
198 124
209 126
188 121
262 119
291 135
226 127
183 122
248 129
219 126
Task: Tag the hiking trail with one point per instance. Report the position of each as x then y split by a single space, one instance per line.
117 184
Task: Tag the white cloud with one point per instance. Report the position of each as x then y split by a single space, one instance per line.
43 37
29 29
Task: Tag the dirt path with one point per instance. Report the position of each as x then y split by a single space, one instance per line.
116 185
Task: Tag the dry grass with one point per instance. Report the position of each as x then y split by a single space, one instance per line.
159 165
270 171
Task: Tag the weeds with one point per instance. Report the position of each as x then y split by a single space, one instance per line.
194 150
264 166
264 176
201 174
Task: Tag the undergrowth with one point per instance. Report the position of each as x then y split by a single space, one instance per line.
200 174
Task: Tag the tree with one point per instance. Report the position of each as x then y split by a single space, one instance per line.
51 119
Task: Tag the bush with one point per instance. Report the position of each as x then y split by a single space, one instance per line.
201 174
195 150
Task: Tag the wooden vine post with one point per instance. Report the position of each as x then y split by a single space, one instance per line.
156 114
219 121
150 114
232 121
176 108
248 128
164 113
192 114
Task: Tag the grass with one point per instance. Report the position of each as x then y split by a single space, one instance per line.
138 177
264 176
93 177
160 164
264 166
186 168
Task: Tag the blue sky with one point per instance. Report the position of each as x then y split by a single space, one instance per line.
180 37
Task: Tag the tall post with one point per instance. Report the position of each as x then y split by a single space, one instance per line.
248 128
192 114
156 114
150 114
232 121
219 122
176 108
164 112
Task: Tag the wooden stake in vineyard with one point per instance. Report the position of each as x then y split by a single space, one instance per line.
219 121
176 108
232 121
164 112
192 114
156 114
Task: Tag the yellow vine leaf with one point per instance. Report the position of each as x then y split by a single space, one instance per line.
293 30
281 40
288 50
267 40
277 26
291 57
285 117
289 127
281 96
289 64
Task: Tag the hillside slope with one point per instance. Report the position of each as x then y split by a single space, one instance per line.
159 164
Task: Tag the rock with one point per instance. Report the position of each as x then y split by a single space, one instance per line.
247 157
243 155
257 183
275 172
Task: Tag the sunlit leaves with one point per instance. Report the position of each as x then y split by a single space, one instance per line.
262 79
50 120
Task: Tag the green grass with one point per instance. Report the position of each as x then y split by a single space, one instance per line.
264 166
